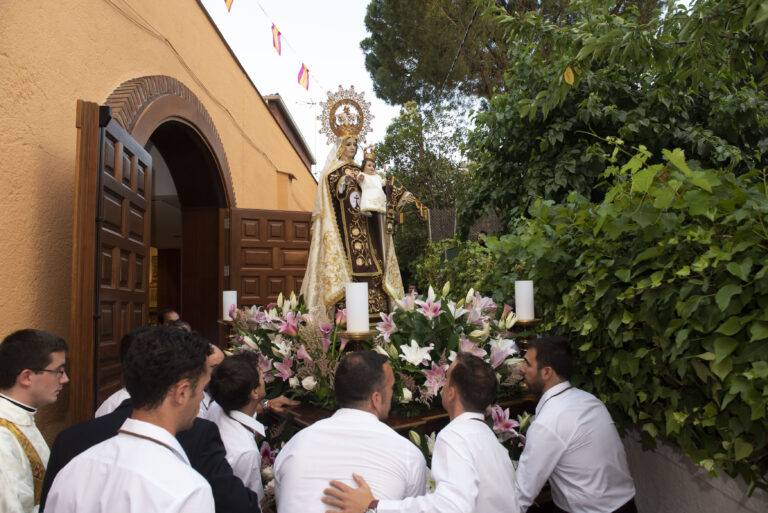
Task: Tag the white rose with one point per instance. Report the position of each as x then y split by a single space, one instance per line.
407 396
293 382
309 383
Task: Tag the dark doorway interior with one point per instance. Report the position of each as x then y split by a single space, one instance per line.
186 199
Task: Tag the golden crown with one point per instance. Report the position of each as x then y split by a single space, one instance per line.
369 152
345 113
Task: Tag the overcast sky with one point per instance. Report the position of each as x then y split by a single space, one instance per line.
325 35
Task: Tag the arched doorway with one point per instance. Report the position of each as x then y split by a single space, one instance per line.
113 224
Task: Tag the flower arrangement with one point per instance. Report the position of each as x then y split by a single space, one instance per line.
299 351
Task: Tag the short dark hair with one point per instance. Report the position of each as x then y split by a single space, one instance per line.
234 379
553 352
26 349
359 375
127 340
162 314
362 165
157 359
475 381
178 324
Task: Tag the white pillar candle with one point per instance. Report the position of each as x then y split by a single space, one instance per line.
229 298
524 300
357 307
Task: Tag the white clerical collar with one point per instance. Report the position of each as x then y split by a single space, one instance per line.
21 405
354 413
250 423
552 392
155 434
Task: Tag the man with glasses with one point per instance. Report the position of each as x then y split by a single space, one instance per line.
32 373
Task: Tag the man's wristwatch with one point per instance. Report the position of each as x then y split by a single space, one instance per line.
265 405
372 506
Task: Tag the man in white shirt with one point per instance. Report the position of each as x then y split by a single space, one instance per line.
144 468
237 388
473 472
32 373
572 440
352 440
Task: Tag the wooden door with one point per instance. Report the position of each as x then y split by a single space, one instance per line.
110 252
268 253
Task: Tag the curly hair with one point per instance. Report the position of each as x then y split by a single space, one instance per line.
234 379
157 359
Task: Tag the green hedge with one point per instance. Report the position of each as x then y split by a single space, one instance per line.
663 290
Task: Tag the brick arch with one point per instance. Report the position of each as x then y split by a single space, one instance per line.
142 104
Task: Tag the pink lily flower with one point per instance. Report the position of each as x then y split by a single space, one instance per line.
435 377
265 364
290 325
326 343
406 304
259 317
341 317
503 426
467 346
429 309
232 309
326 328
498 355
342 344
267 455
302 354
387 326
284 368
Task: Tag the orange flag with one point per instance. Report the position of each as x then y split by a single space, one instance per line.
304 77
276 40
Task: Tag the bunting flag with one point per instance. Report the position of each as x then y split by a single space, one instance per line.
304 77
229 4
426 214
276 40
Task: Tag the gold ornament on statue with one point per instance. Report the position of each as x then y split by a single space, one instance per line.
345 113
369 152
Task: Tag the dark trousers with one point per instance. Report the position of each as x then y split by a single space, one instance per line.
629 507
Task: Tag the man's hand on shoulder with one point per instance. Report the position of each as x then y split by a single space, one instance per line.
348 499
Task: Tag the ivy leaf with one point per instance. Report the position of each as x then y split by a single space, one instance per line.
724 346
730 327
724 295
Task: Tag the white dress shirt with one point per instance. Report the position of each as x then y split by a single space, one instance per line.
112 402
205 407
349 441
238 432
17 491
574 443
141 470
473 473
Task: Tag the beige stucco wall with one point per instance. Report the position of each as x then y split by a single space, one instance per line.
54 53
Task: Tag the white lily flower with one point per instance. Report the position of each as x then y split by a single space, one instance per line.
456 310
280 300
430 294
380 350
309 383
407 396
431 442
293 382
482 334
470 296
281 347
249 342
511 320
446 288
415 354
452 356
293 301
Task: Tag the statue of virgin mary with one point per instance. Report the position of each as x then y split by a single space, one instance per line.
348 245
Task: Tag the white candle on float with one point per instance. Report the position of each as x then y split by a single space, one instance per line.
229 298
357 307
524 300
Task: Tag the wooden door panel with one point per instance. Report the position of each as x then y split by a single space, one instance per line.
269 252
123 235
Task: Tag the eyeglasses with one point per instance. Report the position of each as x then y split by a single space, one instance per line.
58 372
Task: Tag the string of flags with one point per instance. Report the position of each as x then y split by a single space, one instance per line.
303 77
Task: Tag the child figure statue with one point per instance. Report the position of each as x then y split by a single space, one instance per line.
372 196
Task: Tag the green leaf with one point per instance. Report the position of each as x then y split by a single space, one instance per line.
760 369
623 274
740 269
676 157
724 295
730 327
721 369
724 346
758 331
642 180
741 449
663 197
